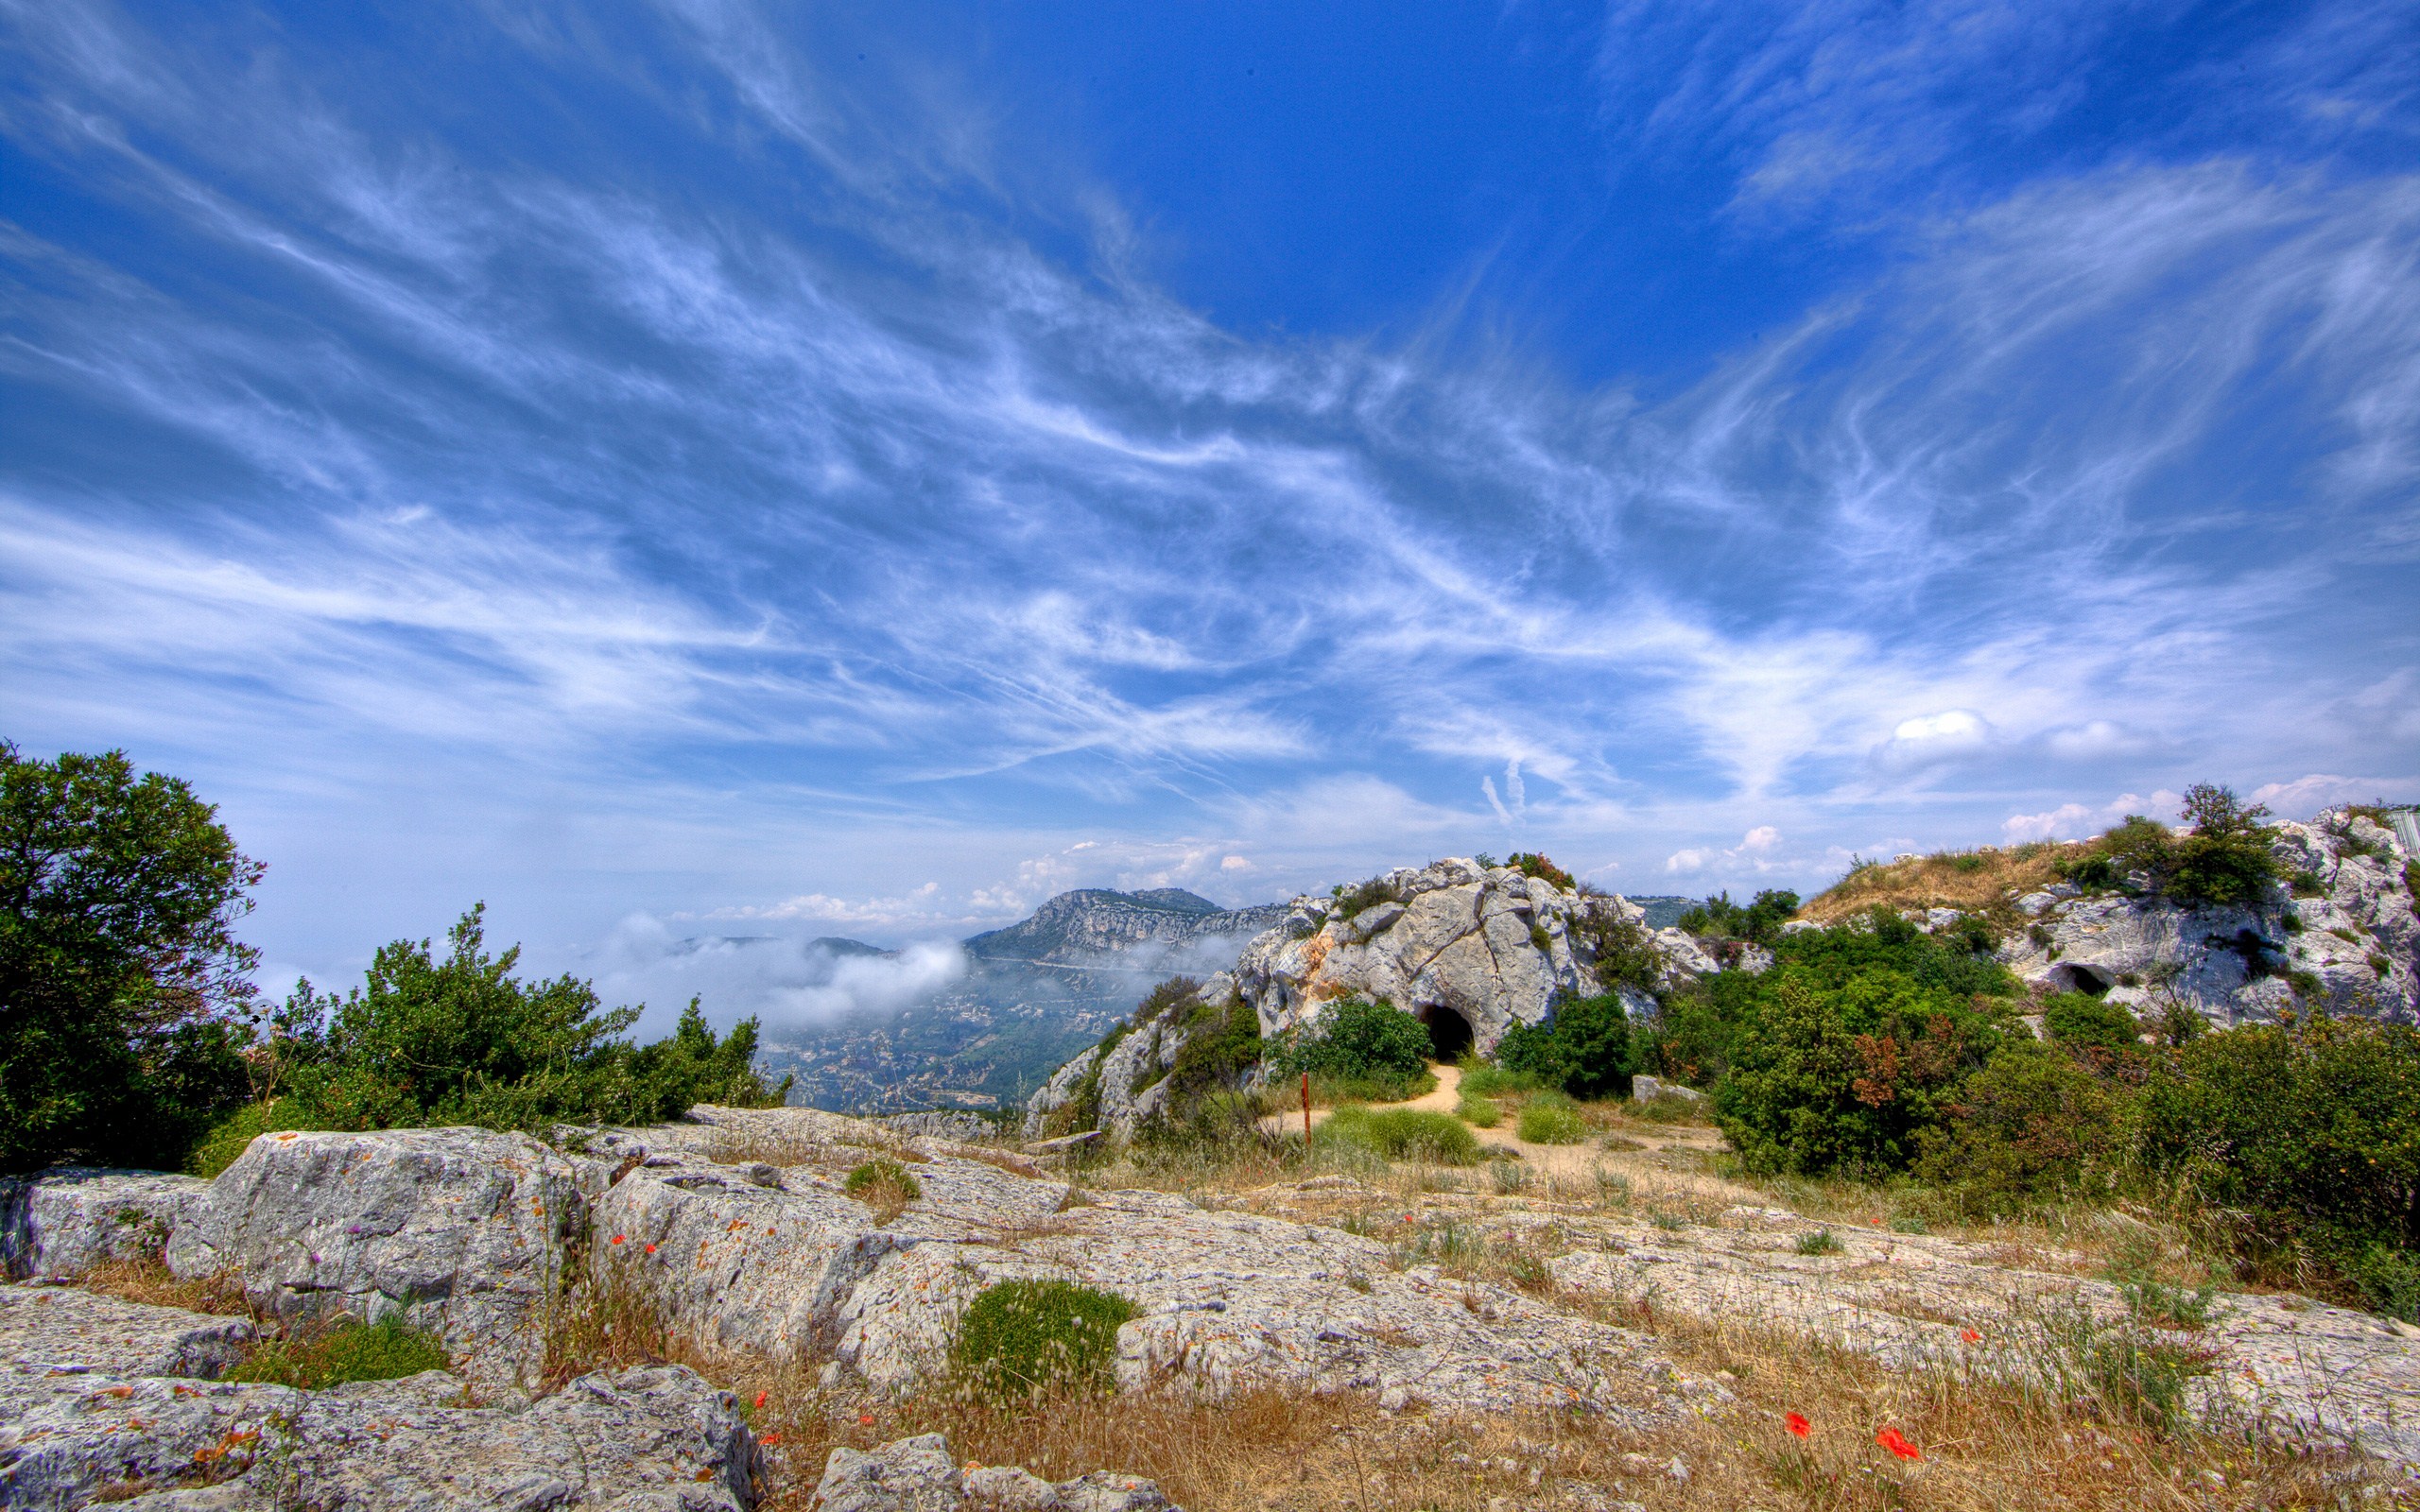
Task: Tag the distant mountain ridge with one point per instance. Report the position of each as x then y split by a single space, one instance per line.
1074 927
1035 992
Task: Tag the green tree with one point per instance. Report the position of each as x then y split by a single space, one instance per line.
2227 859
1356 1039
123 993
462 1041
1759 919
2032 1124
1584 1048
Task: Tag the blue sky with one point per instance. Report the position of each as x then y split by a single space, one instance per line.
684 469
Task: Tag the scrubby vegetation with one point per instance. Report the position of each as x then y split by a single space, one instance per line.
1401 1134
1369 1048
130 1034
1551 1118
350 1350
1758 921
1028 1340
1582 1047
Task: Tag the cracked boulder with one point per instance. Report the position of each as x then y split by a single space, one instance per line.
65 1221
459 1230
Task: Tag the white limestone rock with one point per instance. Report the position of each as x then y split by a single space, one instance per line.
460 1231
1490 945
54 1338
656 1439
63 1221
2355 947
918 1475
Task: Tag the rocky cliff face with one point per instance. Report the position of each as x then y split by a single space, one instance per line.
2342 934
1470 951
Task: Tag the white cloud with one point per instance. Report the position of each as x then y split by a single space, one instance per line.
2077 821
2306 796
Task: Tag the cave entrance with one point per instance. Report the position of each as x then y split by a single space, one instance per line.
2088 980
1449 1032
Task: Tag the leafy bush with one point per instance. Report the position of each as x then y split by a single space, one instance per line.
1759 919
1584 1048
1356 1039
1026 1340
2227 859
1548 1118
1857 1040
1530 863
226 1141
1353 901
875 1179
461 1040
1822 1242
1401 1134
1619 951
1478 1112
1221 1046
2314 1128
2032 1126
384 1351
2079 1018
124 994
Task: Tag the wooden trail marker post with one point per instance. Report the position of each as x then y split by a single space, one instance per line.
1307 1113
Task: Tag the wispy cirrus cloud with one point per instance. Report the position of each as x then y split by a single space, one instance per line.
822 501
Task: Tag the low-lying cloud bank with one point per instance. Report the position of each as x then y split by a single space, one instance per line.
789 983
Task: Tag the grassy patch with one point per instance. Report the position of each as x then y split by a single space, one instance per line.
1480 1113
1480 1079
384 1351
883 1185
1822 1242
1401 1134
1023 1341
1551 1118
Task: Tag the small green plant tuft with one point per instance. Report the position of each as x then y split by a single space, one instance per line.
883 1185
1822 1242
1024 1341
1401 1134
1549 1118
384 1351
1478 1112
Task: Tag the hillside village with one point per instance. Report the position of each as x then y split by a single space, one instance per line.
1465 1186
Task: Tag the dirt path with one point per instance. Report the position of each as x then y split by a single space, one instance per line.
1544 1159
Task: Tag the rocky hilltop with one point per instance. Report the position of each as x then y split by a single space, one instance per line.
2340 933
1077 928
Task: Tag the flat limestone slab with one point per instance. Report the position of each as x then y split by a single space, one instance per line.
53 1338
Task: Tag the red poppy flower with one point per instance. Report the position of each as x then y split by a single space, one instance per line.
617 1239
650 1249
1970 1335
1795 1423
760 1401
1896 1442
770 1440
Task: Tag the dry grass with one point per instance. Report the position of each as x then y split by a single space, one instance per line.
147 1280
1969 881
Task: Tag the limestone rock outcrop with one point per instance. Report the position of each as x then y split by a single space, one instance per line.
108 1401
65 1220
2343 932
918 1475
459 1230
1472 949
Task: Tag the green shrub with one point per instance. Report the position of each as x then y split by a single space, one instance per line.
1480 1079
1759 920
2077 1019
2227 859
1530 863
1026 1340
1822 1242
1401 1134
226 1143
2311 1129
1480 1113
1584 1048
384 1351
882 1178
1355 1037
2032 1126
1824 1077
1549 1118
462 1041
1358 900
1220 1048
